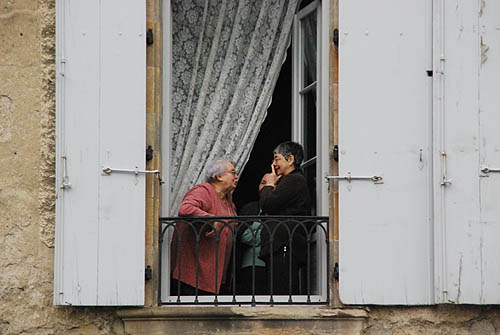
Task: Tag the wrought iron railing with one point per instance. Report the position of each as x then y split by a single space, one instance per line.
241 260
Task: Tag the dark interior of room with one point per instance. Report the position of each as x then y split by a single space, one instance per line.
276 128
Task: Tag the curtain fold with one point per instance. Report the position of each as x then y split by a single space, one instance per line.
227 55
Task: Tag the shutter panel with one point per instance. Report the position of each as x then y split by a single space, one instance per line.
100 115
467 211
385 249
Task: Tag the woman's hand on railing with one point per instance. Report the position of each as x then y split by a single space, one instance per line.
217 226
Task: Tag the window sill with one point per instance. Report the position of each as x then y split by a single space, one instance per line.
234 312
290 320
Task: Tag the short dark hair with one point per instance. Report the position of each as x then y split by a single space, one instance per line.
291 148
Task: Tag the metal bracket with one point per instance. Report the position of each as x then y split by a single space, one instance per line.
444 181
336 153
149 37
349 178
108 170
65 184
336 37
148 273
63 67
149 153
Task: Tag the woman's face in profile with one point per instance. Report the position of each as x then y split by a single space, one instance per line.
229 179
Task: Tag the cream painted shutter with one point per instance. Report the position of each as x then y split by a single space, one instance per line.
100 116
467 115
385 130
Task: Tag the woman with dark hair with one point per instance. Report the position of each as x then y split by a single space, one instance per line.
211 198
285 192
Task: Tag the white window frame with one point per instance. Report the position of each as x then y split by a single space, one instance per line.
321 142
322 112
322 80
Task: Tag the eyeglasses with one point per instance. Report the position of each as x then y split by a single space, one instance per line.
233 172
277 158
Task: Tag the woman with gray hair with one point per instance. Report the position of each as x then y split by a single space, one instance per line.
211 198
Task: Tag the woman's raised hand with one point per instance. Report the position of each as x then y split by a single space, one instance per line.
272 178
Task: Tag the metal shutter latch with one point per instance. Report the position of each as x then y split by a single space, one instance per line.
108 170
349 178
486 170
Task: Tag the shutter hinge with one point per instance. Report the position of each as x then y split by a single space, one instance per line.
149 153
336 153
336 37
148 273
336 271
149 37
429 73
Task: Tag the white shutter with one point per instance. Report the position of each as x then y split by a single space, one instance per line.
100 116
385 250
468 110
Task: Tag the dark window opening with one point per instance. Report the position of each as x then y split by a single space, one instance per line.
276 128
304 3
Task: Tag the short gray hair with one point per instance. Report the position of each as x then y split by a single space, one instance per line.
291 148
216 168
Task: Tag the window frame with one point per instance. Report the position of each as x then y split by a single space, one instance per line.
322 138
322 109
322 96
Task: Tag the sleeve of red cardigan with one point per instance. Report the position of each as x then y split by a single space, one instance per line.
196 202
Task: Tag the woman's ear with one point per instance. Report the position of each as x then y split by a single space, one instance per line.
218 177
291 160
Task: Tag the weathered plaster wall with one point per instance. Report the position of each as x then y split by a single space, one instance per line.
27 123
443 319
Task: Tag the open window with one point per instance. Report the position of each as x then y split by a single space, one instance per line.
309 126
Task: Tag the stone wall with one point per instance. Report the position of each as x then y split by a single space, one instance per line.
27 124
442 319
27 149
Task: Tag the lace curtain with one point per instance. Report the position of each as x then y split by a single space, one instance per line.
227 55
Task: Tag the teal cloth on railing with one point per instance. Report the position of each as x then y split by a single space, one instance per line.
253 242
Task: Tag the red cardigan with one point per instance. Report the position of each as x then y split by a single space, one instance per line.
202 200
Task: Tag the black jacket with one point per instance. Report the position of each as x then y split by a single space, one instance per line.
290 198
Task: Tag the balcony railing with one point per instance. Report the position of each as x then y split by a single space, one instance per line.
255 260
